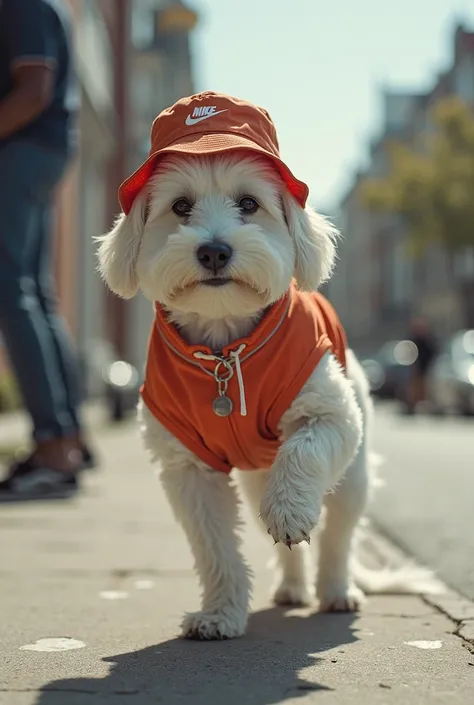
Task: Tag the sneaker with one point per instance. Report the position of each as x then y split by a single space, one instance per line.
88 460
28 480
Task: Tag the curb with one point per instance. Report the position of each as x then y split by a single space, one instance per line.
459 609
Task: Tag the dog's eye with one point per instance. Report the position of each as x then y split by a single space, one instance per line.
248 204
182 207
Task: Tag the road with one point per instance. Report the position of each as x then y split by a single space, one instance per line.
427 504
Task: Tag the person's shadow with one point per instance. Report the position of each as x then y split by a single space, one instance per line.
262 668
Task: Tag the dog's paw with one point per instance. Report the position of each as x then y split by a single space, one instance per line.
206 626
289 522
293 593
341 599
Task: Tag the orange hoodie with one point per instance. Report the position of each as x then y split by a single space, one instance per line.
265 372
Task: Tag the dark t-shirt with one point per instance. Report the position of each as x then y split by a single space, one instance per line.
39 31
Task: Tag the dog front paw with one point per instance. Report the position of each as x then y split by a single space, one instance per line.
206 626
289 522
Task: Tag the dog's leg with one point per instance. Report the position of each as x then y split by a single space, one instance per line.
322 431
294 586
335 587
205 504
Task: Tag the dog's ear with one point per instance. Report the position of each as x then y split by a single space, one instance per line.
315 244
118 250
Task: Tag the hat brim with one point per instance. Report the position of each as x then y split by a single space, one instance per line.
209 143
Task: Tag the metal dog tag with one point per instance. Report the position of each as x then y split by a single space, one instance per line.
222 406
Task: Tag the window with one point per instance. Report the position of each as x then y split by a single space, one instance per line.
401 274
143 26
464 79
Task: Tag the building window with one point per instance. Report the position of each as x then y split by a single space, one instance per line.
143 26
401 275
464 263
464 79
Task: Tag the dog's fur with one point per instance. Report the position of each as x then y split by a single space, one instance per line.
326 435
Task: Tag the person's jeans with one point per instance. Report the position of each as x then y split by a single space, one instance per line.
35 336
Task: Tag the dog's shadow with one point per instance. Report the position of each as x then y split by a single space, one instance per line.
262 668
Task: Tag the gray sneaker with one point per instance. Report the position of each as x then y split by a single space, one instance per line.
30 480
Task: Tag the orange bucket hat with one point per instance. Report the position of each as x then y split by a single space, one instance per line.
211 123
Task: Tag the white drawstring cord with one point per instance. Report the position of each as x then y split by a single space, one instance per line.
235 357
203 356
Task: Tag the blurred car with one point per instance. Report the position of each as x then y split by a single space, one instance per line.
451 377
388 371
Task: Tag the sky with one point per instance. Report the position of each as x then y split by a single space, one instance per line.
319 67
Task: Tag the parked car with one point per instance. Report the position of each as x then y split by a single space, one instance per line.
388 371
451 377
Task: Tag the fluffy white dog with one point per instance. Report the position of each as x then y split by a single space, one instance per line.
217 239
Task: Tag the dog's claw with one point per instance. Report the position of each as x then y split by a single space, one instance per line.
269 531
307 538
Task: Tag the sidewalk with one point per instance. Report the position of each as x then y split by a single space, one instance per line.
15 426
111 571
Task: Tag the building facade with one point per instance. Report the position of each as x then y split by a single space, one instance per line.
161 74
378 286
148 65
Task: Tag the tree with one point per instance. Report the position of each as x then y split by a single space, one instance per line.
430 184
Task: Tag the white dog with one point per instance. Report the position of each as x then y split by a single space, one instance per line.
216 238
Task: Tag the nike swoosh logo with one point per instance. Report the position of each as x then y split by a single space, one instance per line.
193 121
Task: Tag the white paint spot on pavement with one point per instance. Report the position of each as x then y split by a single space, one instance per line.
425 644
113 595
144 584
54 644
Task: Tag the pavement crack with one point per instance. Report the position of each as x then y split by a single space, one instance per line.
464 626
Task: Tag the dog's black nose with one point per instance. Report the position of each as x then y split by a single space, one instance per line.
214 255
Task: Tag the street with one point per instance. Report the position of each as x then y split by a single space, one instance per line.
426 505
93 590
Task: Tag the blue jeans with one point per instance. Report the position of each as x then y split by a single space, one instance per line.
35 336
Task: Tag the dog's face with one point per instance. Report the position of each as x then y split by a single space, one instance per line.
216 236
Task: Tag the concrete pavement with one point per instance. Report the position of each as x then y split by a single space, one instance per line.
427 502
111 574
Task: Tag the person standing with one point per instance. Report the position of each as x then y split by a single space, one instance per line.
39 101
422 336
